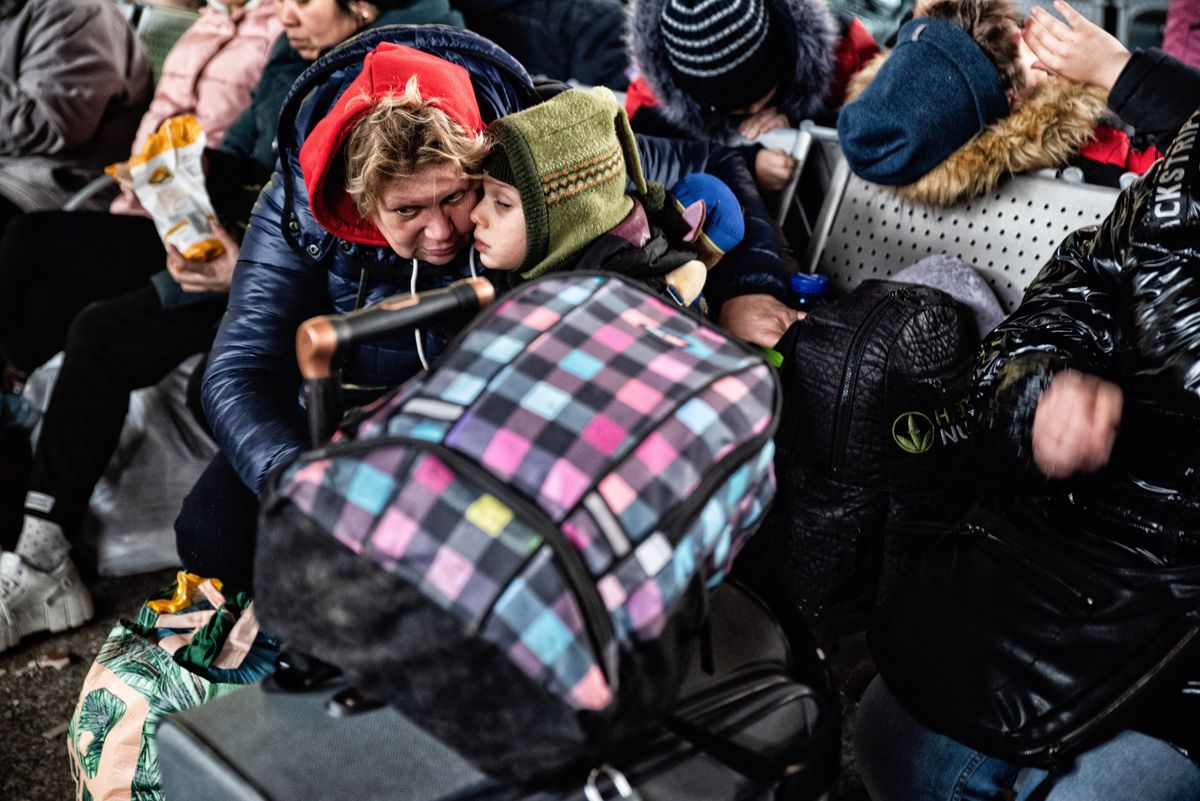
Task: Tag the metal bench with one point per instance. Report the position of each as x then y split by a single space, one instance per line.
863 231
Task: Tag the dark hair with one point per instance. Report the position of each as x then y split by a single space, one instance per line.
990 23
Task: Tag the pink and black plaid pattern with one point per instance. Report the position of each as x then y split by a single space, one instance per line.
407 511
639 432
585 394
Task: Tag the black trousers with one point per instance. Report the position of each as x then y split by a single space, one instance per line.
215 531
54 263
8 210
113 348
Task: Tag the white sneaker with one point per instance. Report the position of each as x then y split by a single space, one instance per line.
34 600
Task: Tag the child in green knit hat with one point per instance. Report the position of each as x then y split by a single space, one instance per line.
554 198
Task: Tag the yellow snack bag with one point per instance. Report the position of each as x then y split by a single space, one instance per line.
168 179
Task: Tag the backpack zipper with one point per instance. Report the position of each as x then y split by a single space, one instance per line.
858 344
687 510
1030 562
582 584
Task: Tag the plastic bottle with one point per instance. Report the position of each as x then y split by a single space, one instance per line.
808 290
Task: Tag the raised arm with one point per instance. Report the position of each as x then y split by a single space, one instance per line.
1149 90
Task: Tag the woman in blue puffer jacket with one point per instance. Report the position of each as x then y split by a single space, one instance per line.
293 267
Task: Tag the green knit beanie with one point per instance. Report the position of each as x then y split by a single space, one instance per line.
568 158
496 165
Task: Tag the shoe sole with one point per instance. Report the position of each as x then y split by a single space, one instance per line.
59 614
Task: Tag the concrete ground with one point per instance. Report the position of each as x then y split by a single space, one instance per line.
37 695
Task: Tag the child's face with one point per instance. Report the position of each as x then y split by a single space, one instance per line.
499 226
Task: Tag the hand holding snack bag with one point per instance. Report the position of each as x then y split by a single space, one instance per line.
168 179
211 275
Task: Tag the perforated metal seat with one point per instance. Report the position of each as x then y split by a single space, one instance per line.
865 232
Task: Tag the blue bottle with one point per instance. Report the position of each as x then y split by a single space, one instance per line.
808 290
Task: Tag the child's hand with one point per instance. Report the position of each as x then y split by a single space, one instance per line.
772 169
758 123
1079 50
215 275
1075 424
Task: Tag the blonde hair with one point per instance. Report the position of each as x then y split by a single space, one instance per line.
401 134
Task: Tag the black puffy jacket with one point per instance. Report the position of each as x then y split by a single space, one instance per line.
1121 301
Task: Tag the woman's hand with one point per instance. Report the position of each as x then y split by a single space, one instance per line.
215 275
1079 50
758 319
758 123
772 169
1075 424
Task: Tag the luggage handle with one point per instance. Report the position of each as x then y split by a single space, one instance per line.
319 340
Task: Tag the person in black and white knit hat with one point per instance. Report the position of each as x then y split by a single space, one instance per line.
730 69
727 59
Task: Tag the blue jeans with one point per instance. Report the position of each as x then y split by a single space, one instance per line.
901 760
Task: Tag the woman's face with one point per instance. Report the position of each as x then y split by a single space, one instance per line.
315 25
427 216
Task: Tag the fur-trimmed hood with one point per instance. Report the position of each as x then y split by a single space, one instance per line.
1048 128
811 38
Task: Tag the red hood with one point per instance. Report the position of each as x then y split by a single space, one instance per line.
385 71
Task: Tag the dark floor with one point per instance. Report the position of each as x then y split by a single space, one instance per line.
36 698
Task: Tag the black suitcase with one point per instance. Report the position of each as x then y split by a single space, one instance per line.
756 720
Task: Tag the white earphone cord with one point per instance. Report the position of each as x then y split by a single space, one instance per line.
412 287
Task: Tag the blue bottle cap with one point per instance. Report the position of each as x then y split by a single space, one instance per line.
809 283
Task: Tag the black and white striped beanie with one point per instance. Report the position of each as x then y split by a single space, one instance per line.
726 54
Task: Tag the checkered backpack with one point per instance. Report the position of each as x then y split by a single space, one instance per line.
516 548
